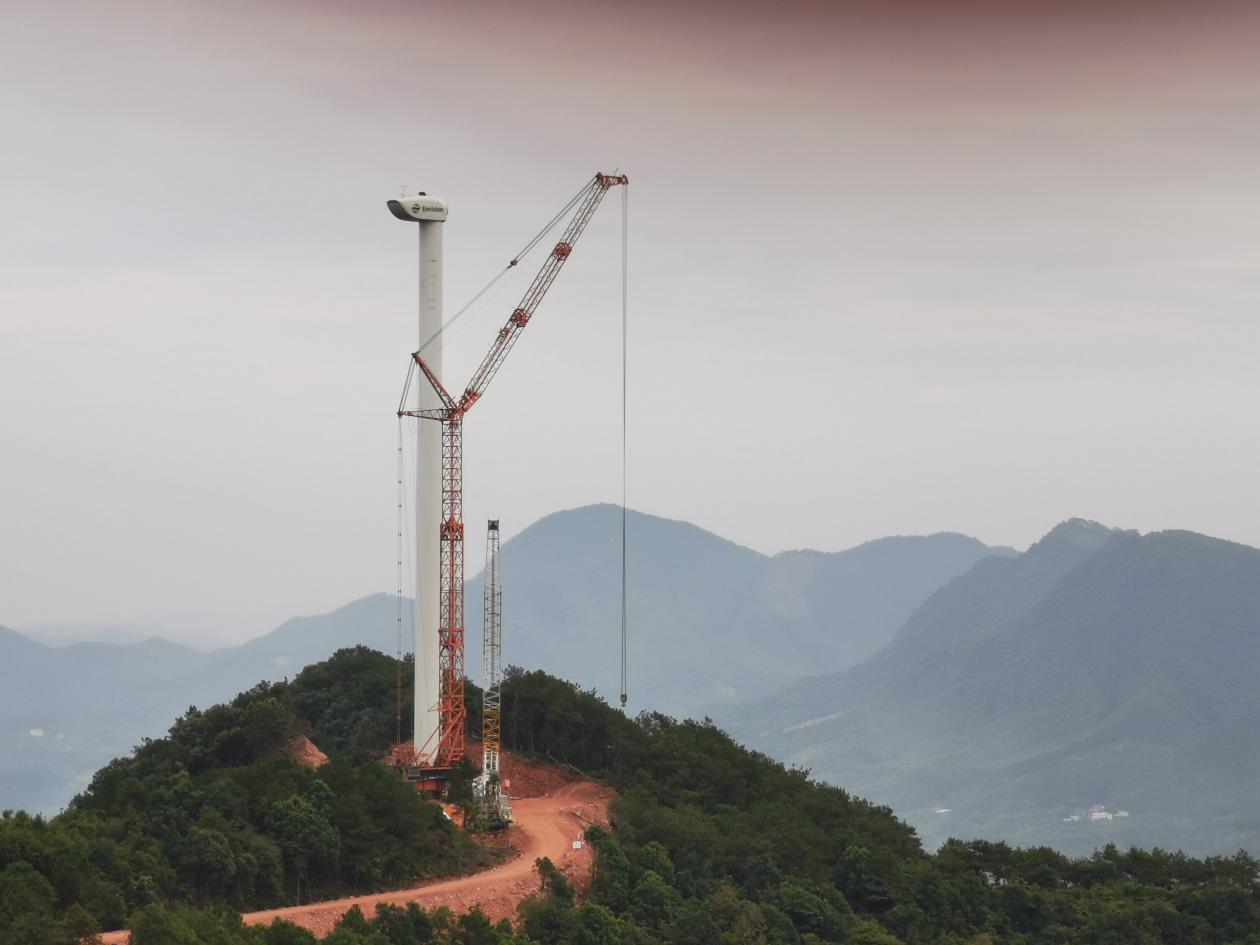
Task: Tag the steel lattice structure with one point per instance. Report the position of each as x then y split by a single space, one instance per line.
492 654
451 712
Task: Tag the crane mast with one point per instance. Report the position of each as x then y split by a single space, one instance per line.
495 804
452 715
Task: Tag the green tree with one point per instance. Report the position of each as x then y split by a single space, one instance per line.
306 839
284 933
553 881
655 902
206 857
157 925
611 883
24 891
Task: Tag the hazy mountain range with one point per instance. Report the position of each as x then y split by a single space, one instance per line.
1101 669
978 691
711 622
66 710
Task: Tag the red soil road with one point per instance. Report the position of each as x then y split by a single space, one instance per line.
545 825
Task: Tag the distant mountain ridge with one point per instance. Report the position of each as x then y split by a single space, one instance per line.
710 621
1099 668
66 710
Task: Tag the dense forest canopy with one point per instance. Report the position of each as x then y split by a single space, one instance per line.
711 843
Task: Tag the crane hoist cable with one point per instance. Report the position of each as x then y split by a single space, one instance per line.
398 605
625 227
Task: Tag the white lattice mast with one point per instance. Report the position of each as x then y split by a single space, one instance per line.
492 656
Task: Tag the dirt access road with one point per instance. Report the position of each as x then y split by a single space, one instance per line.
546 824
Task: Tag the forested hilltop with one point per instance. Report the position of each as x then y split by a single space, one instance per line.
218 813
728 624
712 843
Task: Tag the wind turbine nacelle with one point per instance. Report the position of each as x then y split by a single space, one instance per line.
418 209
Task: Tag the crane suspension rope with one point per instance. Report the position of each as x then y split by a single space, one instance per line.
625 226
512 263
398 605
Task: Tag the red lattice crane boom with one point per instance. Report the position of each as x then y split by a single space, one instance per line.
451 712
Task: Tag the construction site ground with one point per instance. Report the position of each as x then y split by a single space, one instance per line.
551 806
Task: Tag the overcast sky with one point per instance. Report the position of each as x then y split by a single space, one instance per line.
891 273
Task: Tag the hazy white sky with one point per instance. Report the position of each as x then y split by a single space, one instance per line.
891 273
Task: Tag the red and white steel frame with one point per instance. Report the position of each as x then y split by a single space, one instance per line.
451 711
